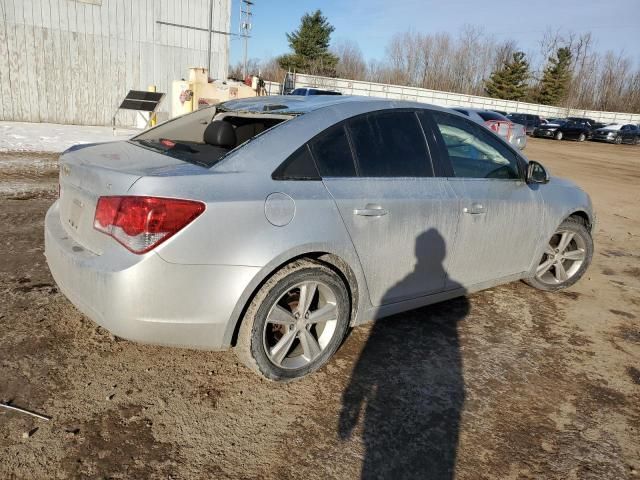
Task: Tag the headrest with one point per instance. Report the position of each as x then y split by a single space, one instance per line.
220 134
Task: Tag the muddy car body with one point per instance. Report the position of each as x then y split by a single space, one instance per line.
244 224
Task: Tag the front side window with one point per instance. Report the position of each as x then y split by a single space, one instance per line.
389 144
473 151
332 153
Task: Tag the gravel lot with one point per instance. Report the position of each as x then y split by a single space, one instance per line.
507 383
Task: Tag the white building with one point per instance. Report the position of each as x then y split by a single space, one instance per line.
73 61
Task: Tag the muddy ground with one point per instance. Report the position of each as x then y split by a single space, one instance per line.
507 383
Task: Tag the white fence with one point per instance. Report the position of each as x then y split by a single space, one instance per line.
447 99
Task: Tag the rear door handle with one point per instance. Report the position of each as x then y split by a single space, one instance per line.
370 210
475 209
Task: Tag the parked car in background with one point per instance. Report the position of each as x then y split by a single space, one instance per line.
529 121
500 112
312 91
274 224
512 132
618 134
564 129
607 133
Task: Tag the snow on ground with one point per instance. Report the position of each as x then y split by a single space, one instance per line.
54 138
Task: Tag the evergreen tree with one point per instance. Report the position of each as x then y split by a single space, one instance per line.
509 82
310 45
556 78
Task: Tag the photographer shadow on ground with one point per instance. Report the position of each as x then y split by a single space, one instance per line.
408 382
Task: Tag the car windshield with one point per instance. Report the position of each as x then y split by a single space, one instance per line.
206 136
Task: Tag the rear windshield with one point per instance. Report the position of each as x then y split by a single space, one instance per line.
206 136
486 116
313 91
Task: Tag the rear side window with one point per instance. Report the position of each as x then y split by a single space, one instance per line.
389 144
473 151
299 166
332 153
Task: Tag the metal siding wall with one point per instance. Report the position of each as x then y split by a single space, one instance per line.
66 61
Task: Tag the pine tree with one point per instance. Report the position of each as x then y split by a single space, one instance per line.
310 45
556 78
509 82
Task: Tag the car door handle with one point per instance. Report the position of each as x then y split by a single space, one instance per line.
475 209
370 210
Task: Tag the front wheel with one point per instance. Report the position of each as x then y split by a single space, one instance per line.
618 140
558 136
582 137
296 321
566 257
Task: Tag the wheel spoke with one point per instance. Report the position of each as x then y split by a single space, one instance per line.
307 291
324 314
575 255
545 266
565 239
561 273
281 349
549 250
281 316
310 345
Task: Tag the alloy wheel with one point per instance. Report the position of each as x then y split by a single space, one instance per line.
300 325
562 259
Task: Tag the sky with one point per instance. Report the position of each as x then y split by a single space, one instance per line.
371 23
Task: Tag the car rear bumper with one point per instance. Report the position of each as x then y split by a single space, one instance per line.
143 297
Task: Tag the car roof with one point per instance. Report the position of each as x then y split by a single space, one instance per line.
296 105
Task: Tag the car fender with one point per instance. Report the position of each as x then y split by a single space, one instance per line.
345 256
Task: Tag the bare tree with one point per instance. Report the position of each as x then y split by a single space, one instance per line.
351 63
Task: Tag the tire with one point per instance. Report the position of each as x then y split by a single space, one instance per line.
636 141
582 137
548 274
618 140
279 299
558 136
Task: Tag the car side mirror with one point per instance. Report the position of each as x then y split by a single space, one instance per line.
536 173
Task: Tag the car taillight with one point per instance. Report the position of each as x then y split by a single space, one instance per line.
493 125
143 223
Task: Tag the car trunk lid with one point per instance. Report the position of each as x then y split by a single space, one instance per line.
89 172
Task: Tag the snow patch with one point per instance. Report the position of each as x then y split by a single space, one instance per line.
54 138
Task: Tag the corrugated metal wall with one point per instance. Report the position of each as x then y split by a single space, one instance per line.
72 61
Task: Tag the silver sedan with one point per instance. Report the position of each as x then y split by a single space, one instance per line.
274 224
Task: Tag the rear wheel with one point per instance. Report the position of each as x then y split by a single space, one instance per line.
566 257
558 135
296 321
636 141
582 137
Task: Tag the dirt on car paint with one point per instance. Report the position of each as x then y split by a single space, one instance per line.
509 383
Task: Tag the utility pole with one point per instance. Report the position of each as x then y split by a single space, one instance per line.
209 43
245 29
